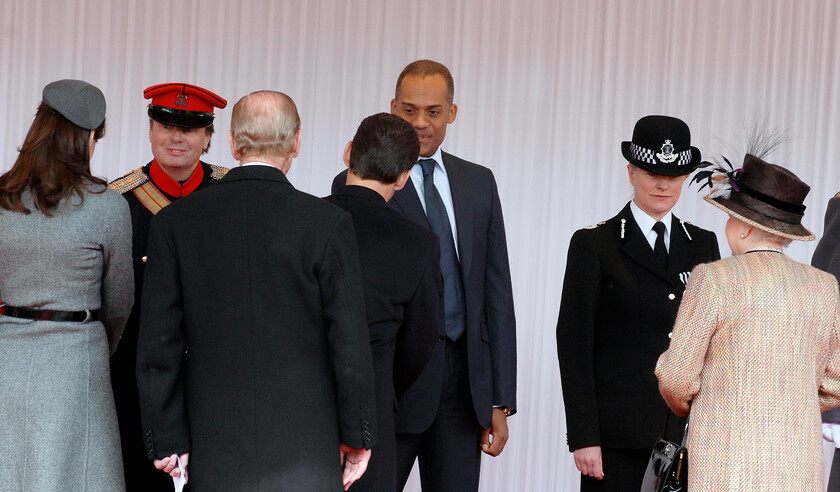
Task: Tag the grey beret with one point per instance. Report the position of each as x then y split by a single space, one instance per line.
81 103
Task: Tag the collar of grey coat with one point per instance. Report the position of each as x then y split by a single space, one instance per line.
637 248
408 203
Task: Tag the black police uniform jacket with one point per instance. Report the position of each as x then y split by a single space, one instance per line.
617 309
140 474
253 352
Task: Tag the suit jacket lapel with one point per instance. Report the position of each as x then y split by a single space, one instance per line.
459 185
637 247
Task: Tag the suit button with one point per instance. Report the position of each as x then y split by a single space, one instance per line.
671 296
441 338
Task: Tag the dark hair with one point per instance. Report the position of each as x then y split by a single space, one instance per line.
53 163
384 147
426 68
209 130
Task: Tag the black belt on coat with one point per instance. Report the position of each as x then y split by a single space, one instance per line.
49 315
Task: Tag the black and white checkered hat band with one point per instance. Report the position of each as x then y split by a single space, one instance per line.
649 156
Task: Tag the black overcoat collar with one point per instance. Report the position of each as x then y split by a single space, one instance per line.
255 172
367 194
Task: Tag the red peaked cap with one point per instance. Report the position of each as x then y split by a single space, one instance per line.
184 105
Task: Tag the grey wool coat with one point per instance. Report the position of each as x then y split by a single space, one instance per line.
58 427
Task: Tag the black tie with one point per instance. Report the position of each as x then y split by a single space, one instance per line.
453 296
659 250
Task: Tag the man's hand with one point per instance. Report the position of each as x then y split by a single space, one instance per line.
499 431
355 462
588 461
169 465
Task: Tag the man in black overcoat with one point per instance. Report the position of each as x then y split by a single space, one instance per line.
401 273
620 300
180 129
459 405
253 361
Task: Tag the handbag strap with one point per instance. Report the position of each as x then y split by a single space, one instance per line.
668 421
685 432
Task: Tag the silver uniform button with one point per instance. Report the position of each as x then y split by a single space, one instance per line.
671 296
670 334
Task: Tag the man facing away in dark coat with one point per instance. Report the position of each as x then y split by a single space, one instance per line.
401 274
258 374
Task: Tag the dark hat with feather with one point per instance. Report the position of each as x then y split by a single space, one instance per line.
761 194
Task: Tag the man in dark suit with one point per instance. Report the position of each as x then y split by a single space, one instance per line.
401 274
623 285
259 373
827 258
180 128
460 404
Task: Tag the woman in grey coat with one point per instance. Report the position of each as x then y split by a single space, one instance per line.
66 287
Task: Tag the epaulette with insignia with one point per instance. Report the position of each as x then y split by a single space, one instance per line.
837 195
129 181
218 172
593 226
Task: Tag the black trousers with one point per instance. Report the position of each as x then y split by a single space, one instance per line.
624 470
834 478
448 452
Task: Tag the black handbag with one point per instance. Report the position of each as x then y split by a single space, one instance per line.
667 469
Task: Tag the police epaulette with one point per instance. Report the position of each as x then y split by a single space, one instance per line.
129 181
593 226
218 172
837 195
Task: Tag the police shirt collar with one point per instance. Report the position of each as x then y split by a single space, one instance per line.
646 222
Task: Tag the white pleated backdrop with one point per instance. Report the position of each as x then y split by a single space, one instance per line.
547 90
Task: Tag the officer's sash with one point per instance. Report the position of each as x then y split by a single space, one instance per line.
151 197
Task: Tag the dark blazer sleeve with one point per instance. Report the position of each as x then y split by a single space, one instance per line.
420 328
827 258
160 349
340 282
498 307
575 340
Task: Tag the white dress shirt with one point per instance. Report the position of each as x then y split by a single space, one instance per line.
646 223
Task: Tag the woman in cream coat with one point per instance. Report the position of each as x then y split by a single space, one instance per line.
755 354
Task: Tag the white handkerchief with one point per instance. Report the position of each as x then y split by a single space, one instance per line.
180 480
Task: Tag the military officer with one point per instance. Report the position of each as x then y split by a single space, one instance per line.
180 128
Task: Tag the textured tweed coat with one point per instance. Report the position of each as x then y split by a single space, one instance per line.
755 355
58 428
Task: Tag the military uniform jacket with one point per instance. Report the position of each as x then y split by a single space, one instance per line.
140 474
253 353
617 309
